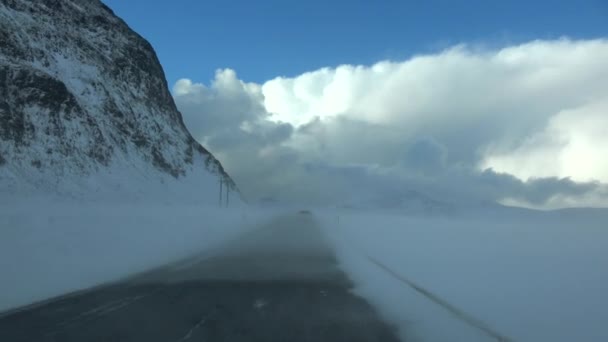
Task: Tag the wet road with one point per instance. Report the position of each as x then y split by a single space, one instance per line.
277 283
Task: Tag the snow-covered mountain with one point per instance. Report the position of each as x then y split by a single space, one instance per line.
85 109
408 202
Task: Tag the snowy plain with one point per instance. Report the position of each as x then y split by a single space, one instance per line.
51 248
536 277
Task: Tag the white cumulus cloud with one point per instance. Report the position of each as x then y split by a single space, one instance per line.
573 144
522 124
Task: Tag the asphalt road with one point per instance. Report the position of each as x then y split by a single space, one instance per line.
277 283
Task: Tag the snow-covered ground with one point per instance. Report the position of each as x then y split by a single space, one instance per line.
47 249
539 278
536 277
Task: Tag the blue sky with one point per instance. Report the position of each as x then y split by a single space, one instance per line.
269 38
514 114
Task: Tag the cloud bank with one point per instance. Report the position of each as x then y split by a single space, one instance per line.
524 125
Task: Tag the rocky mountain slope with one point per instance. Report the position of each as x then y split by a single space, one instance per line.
85 107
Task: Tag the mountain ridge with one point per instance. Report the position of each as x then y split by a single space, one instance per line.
82 93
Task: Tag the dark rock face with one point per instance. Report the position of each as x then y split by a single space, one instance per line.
80 91
36 109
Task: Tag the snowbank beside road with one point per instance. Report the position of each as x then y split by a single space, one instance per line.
540 278
51 249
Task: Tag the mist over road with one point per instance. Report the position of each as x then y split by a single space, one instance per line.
280 282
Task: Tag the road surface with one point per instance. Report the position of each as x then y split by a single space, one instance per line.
277 283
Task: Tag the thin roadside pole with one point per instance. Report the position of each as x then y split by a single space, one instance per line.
221 191
227 195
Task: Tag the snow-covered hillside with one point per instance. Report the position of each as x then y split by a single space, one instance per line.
85 109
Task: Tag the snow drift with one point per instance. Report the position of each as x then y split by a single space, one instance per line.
50 250
535 277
